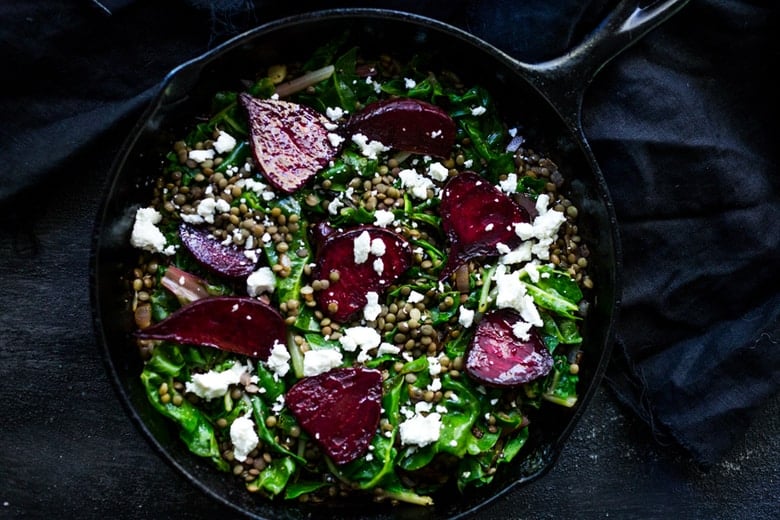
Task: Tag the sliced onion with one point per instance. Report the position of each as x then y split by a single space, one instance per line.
462 278
185 286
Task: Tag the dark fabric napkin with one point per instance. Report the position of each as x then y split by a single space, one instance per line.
682 124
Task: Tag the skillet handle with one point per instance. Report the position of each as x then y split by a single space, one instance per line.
563 80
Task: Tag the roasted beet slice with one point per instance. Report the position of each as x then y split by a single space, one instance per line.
319 232
476 217
366 258
339 409
497 357
241 325
227 260
289 142
406 124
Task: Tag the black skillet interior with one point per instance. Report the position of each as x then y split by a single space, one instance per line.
187 92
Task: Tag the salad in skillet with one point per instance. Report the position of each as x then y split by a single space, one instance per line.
355 278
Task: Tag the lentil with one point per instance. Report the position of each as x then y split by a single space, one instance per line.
409 326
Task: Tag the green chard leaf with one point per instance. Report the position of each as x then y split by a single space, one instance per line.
273 479
302 487
561 385
289 287
555 291
195 429
260 414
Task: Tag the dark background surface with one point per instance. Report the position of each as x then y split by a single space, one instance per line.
701 82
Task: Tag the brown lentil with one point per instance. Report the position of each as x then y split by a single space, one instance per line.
409 324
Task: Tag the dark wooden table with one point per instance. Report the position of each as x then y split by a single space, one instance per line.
68 450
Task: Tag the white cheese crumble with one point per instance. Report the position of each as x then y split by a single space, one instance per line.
210 206
361 247
510 184
422 407
363 338
335 139
438 172
387 348
532 269
512 294
521 330
261 281
334 113
278 404
359 337
224 143
320 361
478 111
465 316
434 366
212 384
191 218
372 309
409 83
261 189
415 183
522 253
279 360
379 266
382 217
544 228
200 156
375 84
415 297
243 437
378 247
146 235
368 148
334 206
420 430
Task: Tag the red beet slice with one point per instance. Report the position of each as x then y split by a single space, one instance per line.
236 324
406 124
289 142
227 261
497 357
339 409
476 217
321 231
346 296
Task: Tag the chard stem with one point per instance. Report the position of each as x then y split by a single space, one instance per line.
296 356
408 497
301 83
484 295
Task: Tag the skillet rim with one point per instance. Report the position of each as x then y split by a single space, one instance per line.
196 64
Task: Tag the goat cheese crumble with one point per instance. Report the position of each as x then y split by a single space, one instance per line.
420 430
212 384
261 281
279 360
243 437
320 361
146 235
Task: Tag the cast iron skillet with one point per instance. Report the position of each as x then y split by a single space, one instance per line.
543 98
